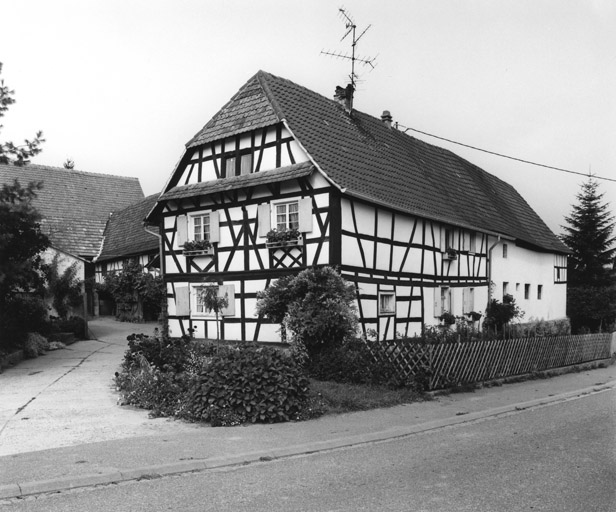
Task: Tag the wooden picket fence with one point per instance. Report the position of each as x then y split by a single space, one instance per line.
448 364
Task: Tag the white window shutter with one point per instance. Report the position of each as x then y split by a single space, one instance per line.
182 301
437 302
229 291
264 219
214 227
451 302
182 230
305 215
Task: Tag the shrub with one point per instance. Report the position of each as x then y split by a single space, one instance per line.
361 361
248 384
148 387
74 324
35 345
316 306
22 314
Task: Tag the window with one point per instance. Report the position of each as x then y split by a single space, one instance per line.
387 303
472 245
287 216
246 164
201 227
468 299
197 306
527 291
505 289
539 291
230 167
504 251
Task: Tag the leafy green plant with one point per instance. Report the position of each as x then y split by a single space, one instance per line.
499 314
64 288
251 384
135 292
282 236
447 318
197 245
212 301
316 306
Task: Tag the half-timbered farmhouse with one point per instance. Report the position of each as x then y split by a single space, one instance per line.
74 206
283 178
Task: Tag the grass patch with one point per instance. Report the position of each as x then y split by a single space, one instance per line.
337 398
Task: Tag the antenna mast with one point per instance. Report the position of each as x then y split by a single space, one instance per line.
351 28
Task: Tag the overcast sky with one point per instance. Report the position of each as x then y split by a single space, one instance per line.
120 86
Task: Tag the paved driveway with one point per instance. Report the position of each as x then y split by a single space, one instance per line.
67 397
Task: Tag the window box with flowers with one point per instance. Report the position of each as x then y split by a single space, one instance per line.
450 254
197 248
283 238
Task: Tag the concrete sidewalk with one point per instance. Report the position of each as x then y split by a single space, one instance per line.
177 447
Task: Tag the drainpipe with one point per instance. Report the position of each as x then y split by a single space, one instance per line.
160 244
165 324
498 241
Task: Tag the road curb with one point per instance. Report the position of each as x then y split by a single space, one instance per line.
20 490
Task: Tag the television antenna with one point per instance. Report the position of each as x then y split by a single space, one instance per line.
351 28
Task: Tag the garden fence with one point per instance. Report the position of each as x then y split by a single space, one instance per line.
448 364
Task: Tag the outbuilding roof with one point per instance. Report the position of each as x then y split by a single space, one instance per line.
75 205
366 158
125 235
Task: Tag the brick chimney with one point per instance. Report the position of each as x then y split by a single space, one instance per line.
344 96
386 118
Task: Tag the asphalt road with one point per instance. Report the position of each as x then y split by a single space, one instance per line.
560 457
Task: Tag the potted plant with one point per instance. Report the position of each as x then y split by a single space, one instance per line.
447 318
197 247
450 254
282 238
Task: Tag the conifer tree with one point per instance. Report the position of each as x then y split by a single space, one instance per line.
591 292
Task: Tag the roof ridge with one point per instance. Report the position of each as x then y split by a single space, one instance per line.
70 171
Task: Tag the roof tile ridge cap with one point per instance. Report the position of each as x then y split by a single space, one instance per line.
262 77
70 171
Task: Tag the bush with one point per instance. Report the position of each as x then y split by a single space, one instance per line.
316 306
248 384
357 361
22 314
35 345
148 387
74 324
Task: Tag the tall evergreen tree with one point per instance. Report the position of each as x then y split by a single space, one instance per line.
591 292
589 236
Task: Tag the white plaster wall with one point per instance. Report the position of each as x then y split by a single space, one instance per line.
523 266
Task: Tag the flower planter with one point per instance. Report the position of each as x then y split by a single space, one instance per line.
299 241
199 252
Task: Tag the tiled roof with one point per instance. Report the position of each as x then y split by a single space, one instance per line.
248 180
367 159
75 205
125 234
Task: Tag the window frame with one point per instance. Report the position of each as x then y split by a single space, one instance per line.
191 226
286 204
505 251
391 295
194 301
